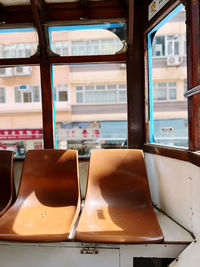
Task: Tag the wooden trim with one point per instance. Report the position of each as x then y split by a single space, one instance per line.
175 153
146 89
149 25
12 62
47 105
35 60
60 12
118 58
170 152
37 7
130 23
94 10
193 61
135 79
37 22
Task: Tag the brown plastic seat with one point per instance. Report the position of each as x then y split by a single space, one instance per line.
7 188
48 201
118 207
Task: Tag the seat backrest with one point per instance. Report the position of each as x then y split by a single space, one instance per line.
118 207
7 188
118 170
52 175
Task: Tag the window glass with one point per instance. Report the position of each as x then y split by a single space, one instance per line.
61 93
2 95
168 81
159 46
95 115
97 39
18 43
21 115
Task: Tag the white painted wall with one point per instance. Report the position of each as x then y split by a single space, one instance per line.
175 189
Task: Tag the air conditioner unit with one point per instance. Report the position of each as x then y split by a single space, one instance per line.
6 72
174 60
122 66
22 71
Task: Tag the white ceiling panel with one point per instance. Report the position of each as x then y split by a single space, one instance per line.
14 2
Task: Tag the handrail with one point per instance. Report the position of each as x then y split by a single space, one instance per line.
192 91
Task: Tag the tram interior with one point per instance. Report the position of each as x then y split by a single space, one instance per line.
99 135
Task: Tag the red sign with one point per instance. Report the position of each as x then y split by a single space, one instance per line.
24 134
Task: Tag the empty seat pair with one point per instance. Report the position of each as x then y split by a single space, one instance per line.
117 207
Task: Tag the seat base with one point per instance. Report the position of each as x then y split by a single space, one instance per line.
21 254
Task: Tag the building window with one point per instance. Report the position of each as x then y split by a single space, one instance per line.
96 47
19 50
60 48
168 45
61 93
164 91
110 93
2 95
27 94
158 46
173 43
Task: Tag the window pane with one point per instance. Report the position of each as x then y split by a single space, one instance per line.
27 97
122 96
22 130
79 98
112 86
100 87
160 94
158 46
17 95
95 116
36 94
97 39
167 82
2 95
11 48
63 96
176 48
172 94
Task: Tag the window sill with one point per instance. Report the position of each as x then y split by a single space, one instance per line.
173 152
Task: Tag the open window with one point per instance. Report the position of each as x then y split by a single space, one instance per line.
168 113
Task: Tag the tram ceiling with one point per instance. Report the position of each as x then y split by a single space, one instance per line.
56 11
